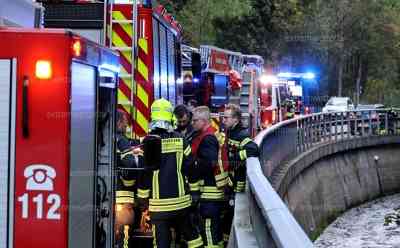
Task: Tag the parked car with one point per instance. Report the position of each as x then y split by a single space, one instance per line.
338 104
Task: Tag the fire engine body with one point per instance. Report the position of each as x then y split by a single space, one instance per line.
148 40
273 96
234 79
58 100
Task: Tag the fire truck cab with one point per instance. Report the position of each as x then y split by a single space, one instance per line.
273 96
58 95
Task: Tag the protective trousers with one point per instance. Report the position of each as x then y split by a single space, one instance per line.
180 219
210 212
226 222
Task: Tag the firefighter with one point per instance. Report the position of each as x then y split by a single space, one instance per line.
205 149
184 119
240 147
128 158
165 183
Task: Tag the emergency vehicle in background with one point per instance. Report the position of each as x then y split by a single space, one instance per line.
221 76
58 97
148 40
273 96
303 88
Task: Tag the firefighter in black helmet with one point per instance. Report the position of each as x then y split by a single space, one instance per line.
240 147
165 183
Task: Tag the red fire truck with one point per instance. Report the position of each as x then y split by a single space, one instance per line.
273 97
58 96
148 40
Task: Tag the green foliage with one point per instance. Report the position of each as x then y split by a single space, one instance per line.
349 41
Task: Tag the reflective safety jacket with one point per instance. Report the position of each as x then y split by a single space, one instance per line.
240 147
167 188
126 178
205 148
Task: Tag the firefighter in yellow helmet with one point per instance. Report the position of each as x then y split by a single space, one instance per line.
169 168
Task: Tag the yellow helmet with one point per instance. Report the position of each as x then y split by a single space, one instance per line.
162 110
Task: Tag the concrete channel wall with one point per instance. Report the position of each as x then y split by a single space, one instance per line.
325 188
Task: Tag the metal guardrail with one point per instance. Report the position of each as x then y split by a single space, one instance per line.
271 221
286 140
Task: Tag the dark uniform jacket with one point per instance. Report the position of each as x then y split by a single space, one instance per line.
167 187
189 133
205 149
127 178
240 147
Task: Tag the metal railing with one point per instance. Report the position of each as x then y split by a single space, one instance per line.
271 221
286 140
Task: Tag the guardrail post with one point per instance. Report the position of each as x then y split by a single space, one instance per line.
342 124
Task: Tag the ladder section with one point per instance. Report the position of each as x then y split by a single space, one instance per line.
121 37
245 92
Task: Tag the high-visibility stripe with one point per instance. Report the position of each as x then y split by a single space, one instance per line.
211 192
221 183
229 181
119 42
126 91
241 183
174 207
123 71
171 145
212 196
245 142
143 70
126 236
123 196
143 193
208 233
154 236
198 242
240 186
194 186
233 142
127 27
125 64
156 192
142 121
142 95
125 200
125 32
211 189
143 45
221 176
170 201
187 151
243 154
119 15
181 185
122 98
121 193
128 183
